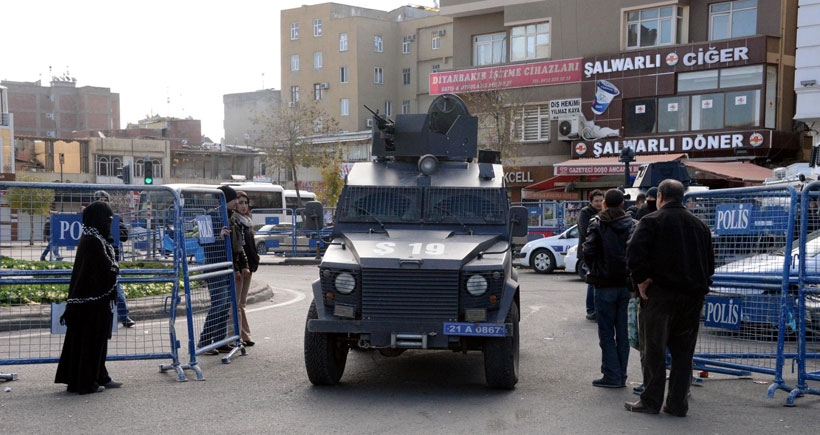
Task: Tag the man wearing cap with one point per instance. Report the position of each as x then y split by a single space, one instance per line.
671 260
650 205
605 254
123 313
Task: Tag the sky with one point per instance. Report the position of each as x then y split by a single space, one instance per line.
170 58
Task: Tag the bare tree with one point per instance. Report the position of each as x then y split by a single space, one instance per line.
285 134
499 120
31 201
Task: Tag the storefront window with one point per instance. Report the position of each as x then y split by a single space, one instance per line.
530 42
697 81
653 27
732 19
707 112
743 108
490 49
673 114
741 76
640 116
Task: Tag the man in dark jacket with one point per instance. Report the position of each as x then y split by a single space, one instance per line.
671 260
596 201
650 205
605 255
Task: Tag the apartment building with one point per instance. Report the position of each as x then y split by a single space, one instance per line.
59 109
807 76
242 109
346 57
6 137
709 80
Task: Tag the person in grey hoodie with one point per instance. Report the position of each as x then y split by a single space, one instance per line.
605 255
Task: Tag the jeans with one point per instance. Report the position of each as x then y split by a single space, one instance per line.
122 307
590 299
53 251
613 337
216 322
668 321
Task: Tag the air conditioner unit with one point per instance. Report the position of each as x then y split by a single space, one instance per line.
50 115
442 32
570 127
369 122
51 133
291 103
411 37
323 86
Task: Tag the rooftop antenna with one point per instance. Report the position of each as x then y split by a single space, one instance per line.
263 80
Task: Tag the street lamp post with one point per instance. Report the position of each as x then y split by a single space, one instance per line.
627 156
62 160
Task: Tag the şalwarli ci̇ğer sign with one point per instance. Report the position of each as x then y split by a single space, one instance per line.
523 75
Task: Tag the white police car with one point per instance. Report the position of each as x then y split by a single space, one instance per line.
573 264
547 254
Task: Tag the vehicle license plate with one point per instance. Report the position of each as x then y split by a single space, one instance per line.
475 329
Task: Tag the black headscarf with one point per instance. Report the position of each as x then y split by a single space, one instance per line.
98 215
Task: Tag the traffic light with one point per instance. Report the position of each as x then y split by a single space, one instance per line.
149 173
125 174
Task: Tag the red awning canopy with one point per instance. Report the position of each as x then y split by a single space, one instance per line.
738 171
560 181
609 165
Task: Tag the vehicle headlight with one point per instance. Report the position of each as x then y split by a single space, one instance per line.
345 283
477 285
573 249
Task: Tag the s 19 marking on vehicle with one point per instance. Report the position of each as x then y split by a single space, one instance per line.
474 329
386 248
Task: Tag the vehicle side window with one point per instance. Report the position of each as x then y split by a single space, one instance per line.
573 233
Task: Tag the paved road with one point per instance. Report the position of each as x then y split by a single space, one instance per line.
267 390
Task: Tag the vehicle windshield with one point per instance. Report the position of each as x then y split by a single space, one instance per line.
463 206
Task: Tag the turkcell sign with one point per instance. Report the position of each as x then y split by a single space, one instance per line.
733 218
723 312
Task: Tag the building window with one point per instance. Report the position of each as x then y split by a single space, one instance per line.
405 106
344 107
294 94
405 44
317 125
317 27
343 42
707 111
534 124
490 49
378 75
317 59
639 116
388 108
654 27
436 42
436 67
530 42
317 91
378 44
294 62
673 114
343 77
294 31
405 76
732 19
741 76
742 109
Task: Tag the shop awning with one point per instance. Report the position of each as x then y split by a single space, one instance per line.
735 171
552 183
609 165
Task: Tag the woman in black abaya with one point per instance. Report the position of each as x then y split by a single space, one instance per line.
88 314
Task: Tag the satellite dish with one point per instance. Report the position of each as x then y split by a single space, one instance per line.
443 112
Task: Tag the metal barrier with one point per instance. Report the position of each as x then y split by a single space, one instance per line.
808 300
750 316
40 225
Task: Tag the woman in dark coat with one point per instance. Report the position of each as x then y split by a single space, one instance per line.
88 315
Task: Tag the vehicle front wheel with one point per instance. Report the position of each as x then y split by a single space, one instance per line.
261 248
582 269
542 261
325 355
501 356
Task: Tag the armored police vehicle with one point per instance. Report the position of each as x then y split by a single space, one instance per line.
421 251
